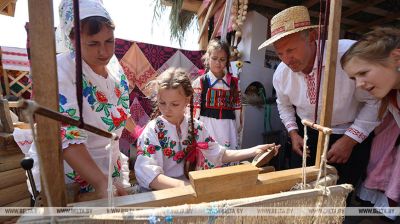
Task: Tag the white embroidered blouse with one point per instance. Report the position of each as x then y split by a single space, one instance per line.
162 150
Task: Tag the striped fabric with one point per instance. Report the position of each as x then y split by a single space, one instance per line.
15 58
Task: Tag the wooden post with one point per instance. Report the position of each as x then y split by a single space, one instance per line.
329 73
44 76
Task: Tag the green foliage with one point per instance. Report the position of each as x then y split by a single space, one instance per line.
180 20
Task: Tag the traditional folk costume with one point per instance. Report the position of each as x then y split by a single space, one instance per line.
105 105
162 149
218 107
383 172
354 113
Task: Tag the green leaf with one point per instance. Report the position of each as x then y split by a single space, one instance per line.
100 107
106 112
111 127
107 121
125 105
71 112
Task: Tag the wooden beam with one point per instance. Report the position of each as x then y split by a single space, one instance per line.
310 3
329 74
360 7
388 18
205 21
369 9
188 5
266 183
44 76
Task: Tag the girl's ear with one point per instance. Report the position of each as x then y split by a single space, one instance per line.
396 55
188 100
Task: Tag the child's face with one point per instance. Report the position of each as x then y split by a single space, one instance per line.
218 59
375 78
172 104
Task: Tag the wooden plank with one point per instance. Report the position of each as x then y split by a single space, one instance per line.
10 162
360 7
5 117
13 194
267 183
329 74
12 177
205 21
26 202
387 18
44 76
222 179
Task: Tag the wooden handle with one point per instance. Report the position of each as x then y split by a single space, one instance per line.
317 127
263 158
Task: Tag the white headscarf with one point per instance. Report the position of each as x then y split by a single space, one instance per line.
87 8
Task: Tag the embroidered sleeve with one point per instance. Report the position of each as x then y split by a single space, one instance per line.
149 162
285 107
213 155
367 117
69 107
237 100
197 92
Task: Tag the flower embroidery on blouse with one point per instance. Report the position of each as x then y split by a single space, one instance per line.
85 186
69 132
167 145
100 103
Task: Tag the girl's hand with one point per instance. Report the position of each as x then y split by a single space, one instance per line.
266 147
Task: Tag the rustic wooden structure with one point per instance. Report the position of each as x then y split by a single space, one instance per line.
237 177
7 7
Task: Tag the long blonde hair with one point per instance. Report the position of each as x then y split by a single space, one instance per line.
375 47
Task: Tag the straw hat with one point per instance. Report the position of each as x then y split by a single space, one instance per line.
289 21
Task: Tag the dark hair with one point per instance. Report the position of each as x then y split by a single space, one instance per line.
93 24
375 47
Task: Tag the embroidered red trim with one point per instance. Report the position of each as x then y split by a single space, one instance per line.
296 25
357 133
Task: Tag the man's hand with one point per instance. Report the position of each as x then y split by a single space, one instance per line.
341 150
297 143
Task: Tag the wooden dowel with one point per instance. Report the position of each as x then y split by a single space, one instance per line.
205 23
60 117
219 23
317 127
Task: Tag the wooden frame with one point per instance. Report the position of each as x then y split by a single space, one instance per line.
251 183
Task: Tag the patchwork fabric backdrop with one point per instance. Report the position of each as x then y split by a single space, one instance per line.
142 63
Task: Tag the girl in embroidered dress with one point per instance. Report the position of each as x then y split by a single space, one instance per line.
217 99
173 144
374 62
105 102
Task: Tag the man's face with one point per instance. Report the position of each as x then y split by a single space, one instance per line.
296 51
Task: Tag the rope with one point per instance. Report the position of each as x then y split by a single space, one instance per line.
78 61
30 109
320 52
110 187
322 166
304 165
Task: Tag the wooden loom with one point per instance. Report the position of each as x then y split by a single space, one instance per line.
228 183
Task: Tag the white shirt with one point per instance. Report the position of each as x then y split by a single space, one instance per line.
355 111
162 150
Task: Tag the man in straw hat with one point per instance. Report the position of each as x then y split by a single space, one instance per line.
295 80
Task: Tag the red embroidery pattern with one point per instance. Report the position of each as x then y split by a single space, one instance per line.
197 97
357 133
311 89
222 99
145 77
296 25
129 73
26 142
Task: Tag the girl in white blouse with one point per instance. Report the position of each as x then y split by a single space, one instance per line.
173 144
